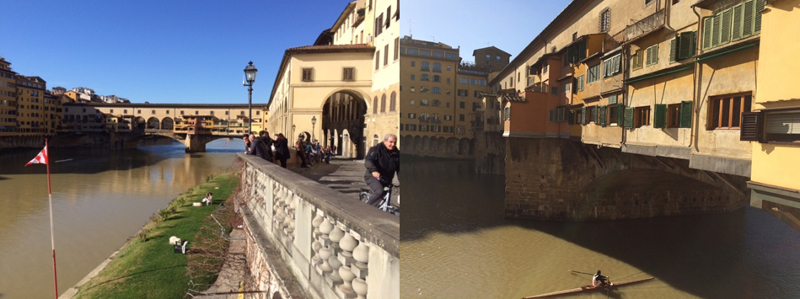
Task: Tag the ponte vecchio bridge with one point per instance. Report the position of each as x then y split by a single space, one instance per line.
192 124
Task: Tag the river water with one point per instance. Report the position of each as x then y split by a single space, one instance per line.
100 199
456 244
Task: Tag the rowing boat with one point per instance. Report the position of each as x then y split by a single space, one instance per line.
589 288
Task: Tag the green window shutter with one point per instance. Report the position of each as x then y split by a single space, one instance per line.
738 14
568 57
581 51
673 49
660 116
686 45
583 115
686 114
747 20
759 7
708 24
725 27
715 32
571 117
620 114
628 118
602 115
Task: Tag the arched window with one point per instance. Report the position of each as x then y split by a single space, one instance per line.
375 105
437 67
425 66
375 139
383 103
393 102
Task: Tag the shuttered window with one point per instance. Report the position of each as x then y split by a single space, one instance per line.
686 114
660 116
636 59
751 126
579 83
735 23
582 116
652 55
593 74
571 117
611 66
782 126
628 121
602 115
673 49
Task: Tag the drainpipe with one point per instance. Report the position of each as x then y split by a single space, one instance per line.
695 82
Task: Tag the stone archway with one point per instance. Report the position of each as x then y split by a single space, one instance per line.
153 123
167 123
344 111
139 123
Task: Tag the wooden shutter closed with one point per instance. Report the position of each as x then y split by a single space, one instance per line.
736 30
602 115
686 45
759 7
673 49
686 114
708 24
748 18
620 114
715 32
660 116
725 26
584 116
628 118
751 126
571 117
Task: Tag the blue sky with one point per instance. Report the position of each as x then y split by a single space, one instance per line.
172 51
472 24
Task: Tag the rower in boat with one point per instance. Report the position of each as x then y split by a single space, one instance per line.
599 280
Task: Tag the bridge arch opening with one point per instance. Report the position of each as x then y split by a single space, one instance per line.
167 123
344 111
153 123
139 123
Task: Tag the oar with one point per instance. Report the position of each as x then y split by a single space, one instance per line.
579 272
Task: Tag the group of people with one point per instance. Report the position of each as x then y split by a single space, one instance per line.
311 152
263 146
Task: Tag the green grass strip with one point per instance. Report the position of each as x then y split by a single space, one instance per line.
149 268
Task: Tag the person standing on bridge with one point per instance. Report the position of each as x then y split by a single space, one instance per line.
264 136
301 151
382 161
257 147
282 149
246 144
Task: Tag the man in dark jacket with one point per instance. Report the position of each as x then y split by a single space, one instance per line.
282 149
268 143
382 161
258 147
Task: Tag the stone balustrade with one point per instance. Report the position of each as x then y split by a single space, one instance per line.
305 240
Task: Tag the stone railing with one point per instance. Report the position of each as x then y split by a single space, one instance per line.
306 240
645 25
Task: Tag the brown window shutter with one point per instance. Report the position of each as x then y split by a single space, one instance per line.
751 126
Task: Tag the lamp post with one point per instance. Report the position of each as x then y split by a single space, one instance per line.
313 124
294 127
250 78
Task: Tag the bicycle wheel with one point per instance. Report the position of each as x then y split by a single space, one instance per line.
363 196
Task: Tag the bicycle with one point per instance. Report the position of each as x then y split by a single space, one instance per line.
384 204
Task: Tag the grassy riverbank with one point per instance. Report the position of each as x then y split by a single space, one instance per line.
146 266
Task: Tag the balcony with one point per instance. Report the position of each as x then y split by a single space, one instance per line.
644 26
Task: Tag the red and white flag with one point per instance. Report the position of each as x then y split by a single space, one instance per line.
41 158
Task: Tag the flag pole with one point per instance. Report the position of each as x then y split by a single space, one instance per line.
50 199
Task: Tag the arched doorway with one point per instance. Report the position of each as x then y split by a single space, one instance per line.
343 113
139 123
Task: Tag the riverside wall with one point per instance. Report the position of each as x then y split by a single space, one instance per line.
305 240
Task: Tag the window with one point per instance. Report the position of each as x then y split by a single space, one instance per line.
461 117
652 55
412 102
378 60
386 55
637 59
579 82
641 116
463 80
473 82
613 114
412 77
592 115
605 20
375 105
462 93
383 103
682 46
450 55
436 90
488 57
593 74
554 90
732 24
497 58
423 52
393 103
438 54
437 67
611 66
307 74
379 25
477 94
566 86
461 105
425 66
396 46
424 77
413 89
437 78
413 64
436 103
424 89
412 115
348 74
423 102
783 126
726 111
646 2
412 51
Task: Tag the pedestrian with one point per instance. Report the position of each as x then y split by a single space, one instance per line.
257 147
246 138
301 151
264 135
282 149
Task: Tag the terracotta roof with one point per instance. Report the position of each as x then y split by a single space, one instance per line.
513 98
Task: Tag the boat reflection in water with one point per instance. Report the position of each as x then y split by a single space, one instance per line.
456 244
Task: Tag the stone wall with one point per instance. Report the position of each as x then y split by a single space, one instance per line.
490 153
556 179
453 148
305 240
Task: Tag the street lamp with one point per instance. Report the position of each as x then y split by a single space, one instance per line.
313 123
250 76
293 127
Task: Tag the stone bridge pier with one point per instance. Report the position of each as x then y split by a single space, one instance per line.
557 179
197 142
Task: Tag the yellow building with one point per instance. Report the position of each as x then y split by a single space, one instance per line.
344 89
774 128
8 99
32 119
